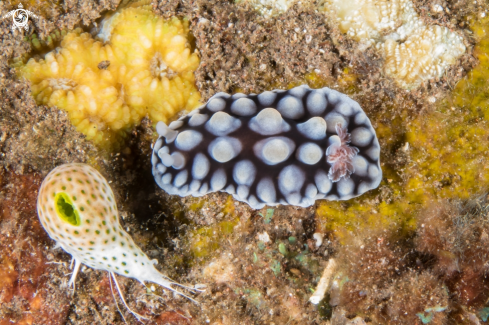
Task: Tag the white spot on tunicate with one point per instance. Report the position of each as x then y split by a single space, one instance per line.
254 203
306 202
161 168
165 149
364 187
345 187
200 167
242 191
373 171
360 164
344 107
265 190
361 118
158 144
314 128
334 118
298 91
188 140
175 125
264 237
316 102
183 191
195 185
374 151
290 107
334 141
294 198
195 111
243 107
361 136
309 153
222 123
164 131
204 188
216 104
244 172
224 149
267 98
268 122
218 180
154 158
178 160
221 95
230 189
355 106
166 179
274 150
198 119
238 96
320 196
291 179
311 191
333 96
323 182
181 178
170 189
166 159
332 197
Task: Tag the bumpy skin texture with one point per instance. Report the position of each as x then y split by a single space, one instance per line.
145 67
77 208
271 148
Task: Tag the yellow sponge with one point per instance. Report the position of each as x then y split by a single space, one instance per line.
145 67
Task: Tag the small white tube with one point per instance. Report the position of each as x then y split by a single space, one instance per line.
324 282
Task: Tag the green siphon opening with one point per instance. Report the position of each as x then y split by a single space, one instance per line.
66 210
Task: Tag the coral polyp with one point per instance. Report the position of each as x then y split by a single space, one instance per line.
413 52
145 68
424 56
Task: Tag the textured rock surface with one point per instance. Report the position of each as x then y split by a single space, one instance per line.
261 266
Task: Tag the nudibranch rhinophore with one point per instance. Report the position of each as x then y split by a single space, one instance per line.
77 208
278 147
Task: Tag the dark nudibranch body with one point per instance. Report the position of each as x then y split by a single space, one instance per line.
278 147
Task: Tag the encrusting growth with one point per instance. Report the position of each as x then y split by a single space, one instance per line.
413 52
77 208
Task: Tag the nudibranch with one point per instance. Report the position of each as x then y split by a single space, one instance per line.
278 147
78 210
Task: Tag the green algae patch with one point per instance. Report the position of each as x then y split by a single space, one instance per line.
197 205
204 241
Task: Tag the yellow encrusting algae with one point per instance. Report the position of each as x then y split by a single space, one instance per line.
145 67
446 152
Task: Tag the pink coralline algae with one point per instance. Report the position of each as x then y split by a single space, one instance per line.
340 155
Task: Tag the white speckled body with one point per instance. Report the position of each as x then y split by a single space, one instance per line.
278 147
77 208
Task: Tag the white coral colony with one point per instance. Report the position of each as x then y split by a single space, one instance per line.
413 51
279 147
